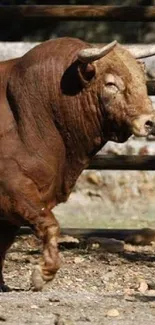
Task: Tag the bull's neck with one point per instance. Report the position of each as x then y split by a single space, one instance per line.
81 130
90 127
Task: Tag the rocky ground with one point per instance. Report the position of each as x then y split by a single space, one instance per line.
92 287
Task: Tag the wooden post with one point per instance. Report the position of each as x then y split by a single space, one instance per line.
151 87
78 12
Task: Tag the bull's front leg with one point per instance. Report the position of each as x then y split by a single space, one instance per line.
47 229
28 204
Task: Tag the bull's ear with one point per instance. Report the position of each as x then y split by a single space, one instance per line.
86 72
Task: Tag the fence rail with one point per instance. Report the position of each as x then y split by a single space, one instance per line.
151 87
79 12
142 236
123 162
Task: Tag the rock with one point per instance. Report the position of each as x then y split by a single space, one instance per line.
68 239
36 279
112 313
129 292
14 257
93 178
152 304
151 293
151 285
143 150
143 237
92 193
130 298
34 307
129 248
84 319
54 299
108 244
61 321
3 318
95 246
143 286
78 260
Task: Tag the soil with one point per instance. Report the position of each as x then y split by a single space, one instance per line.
92 287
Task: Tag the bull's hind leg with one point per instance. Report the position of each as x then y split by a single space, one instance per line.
7 236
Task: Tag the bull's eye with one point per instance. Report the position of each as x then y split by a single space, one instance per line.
110 83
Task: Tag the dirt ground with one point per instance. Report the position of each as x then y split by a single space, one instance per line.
92 287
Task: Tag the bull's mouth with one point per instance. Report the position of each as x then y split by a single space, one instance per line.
143 126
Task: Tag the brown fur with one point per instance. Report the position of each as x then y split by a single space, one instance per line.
55 114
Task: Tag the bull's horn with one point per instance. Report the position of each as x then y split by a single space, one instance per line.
141 51
95 53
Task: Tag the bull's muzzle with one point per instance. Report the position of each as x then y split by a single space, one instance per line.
144 125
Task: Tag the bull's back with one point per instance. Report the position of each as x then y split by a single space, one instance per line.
41 88
7 121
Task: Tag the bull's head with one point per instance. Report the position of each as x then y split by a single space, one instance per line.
113 73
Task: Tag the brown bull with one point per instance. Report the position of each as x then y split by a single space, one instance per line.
59 104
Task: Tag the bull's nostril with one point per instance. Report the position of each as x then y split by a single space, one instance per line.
149 124
150 127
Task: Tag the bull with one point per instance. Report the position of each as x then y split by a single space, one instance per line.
59 104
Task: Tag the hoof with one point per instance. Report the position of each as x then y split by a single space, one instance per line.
4 288
49 276
37 279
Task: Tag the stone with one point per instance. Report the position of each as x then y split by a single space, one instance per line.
113 312
143 286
